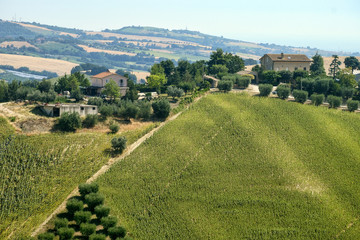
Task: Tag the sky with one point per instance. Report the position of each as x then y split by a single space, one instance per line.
324 24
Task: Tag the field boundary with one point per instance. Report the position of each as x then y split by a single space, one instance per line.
105 168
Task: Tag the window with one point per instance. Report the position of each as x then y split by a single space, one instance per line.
296 68
121 82
107 80
94 108
305 68
82 108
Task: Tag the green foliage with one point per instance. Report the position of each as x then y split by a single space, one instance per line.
62 222
116 232
317 66
243 81
90 121
265 89
225 85
347 79
82 216
69 122
106 110
174 92
95 101
218 70
231 63
321 86
119 143
131 93
87 229
114 128
352 105
102 211
66 233
161 108
76 93
317 99
334 101
111 89
334 66
144 110
87 188
300 96
46 236
93 200
270 77
352 62
229 78
283 91
300 74
285 76
4 91
347 92
44 85
187 86
74 205
108 222
97 237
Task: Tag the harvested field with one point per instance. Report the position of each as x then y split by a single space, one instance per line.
16 44
327 62
141 75
37 63
91 49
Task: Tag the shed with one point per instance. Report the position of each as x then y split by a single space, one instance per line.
56 110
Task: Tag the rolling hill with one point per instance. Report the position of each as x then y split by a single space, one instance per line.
241 167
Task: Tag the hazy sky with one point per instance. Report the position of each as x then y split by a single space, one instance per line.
326 24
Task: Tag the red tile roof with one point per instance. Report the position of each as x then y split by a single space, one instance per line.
104 74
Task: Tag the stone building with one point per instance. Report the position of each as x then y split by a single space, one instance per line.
56 110
290 62
98 82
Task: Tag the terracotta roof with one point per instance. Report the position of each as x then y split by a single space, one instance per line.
104 74
288 57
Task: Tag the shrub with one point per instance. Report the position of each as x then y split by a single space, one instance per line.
225 85
102 211
87 188
87 229
93 200
243 82
321 86
334 101
229 78
61 223
74 205
265 89
69 122
114 128
174 92
108 222
144 109
317 99
66 233
283 91
46 236
130 111
90 121
106 110
97 237
161 108
82 216
96 101
300 96
347 92
352 105
116 232
119 143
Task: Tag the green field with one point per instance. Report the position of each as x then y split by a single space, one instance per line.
38 172
241 167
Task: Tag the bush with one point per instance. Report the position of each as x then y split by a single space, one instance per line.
114 128
243 82
69 122
108 222
106 110
174 92
229 78
66 233
225 85
116 232
90 121
87 188
334 101
161 108
102 211
265 89
130 111
352 105
321 86
93 200
347 92
283 91
74 205
82 216
119 143
87 229
95 101
144 109
46 236
97 237
317 99
300 96
61 223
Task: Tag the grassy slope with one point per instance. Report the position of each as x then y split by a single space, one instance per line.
236 167
66 161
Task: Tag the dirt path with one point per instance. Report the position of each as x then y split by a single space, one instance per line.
104 168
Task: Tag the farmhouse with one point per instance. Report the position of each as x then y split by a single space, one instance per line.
56 110
290 62
98 82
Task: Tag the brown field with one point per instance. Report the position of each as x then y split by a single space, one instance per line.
251 45
251 56
141 75
16 44
46 29
327 62
91 49
37 63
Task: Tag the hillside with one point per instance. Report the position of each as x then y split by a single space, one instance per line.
241 167
131 48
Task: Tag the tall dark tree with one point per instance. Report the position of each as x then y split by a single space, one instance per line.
317 66
353 63
334 66
168 67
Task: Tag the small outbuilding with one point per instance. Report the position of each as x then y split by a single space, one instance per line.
56 110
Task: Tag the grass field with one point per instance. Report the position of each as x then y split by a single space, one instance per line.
37 172
241 167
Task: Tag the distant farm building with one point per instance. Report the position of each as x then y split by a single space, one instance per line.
98 82
56 110
289 62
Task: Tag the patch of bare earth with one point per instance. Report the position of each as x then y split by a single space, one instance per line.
16 44
91 49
